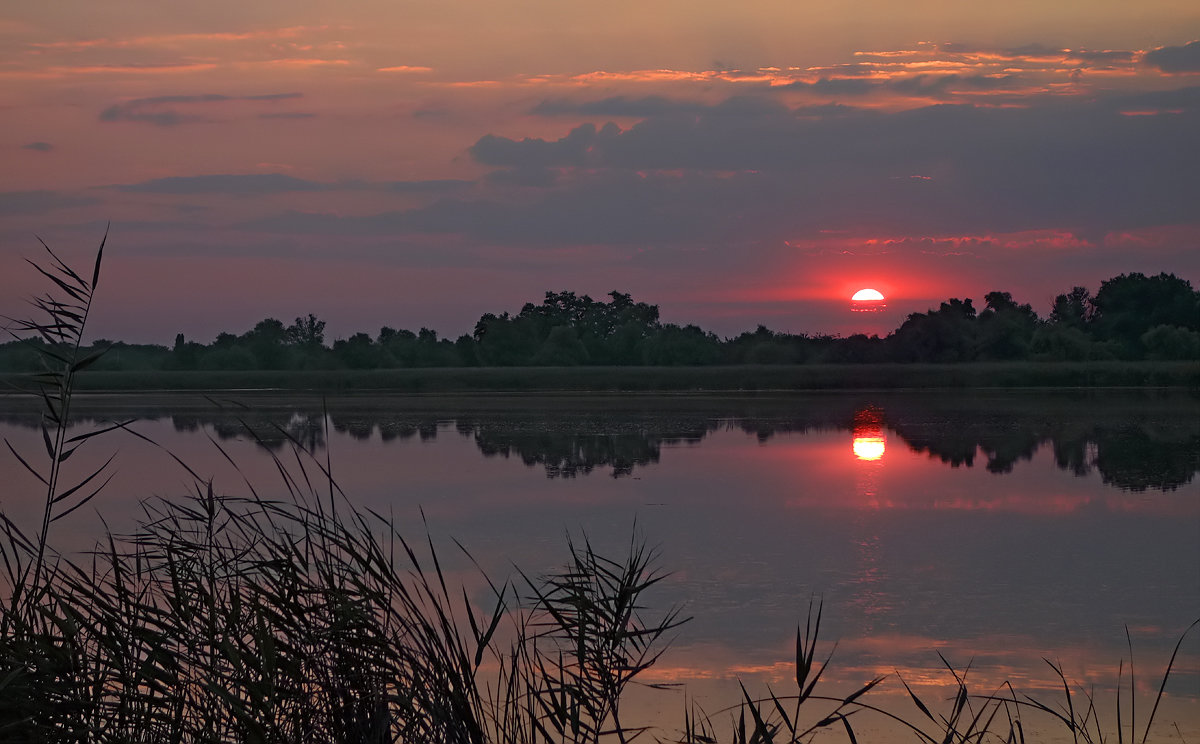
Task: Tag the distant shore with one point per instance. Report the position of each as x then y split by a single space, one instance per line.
748 378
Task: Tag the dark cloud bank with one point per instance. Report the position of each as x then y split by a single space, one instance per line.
40 202
246 184
1184 58
166 111
750 168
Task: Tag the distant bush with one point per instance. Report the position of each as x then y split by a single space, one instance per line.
1164 342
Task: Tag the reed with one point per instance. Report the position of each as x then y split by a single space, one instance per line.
302 618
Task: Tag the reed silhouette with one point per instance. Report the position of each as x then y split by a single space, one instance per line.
300 617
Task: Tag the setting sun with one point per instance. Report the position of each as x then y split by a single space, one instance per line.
867 295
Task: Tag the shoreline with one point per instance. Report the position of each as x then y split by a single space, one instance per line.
761 379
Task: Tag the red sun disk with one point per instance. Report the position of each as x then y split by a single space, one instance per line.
867 295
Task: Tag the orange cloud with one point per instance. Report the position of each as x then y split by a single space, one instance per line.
132 69
298 62
404 68
289 32
641 76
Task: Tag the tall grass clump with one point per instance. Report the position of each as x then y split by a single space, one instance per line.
302 618
965 716
298 618
39 661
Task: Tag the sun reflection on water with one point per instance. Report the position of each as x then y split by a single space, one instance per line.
869 448
869 442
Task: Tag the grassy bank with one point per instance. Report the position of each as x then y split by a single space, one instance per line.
654 379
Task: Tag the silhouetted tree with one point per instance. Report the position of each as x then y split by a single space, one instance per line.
1132 316
1073 309
467 354
1005 329
1164 342
561 348
673 345
608 333
184 354
504 341
1129 305
308 331
358 352
1053 342
266 344
399 345
858 348
943 335
763 346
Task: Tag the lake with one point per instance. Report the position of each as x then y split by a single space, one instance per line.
994 529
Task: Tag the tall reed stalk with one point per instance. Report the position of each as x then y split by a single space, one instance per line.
59 324
302 618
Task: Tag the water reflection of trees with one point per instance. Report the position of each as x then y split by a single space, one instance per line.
566 454
1134 442
1133 458
960 445
273 432
1153 444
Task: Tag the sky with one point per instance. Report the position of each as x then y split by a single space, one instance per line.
415 164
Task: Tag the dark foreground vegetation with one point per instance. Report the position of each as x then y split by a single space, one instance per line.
1131 317
300 618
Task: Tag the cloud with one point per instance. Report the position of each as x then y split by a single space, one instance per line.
405 68
431 186
538 153
929 84
1106 56
1184 58
161 110
836 86
751 170
753 167
1033 62
827 110
923 84
1027 53
38 146
431 113
538 178
617 106
39 202
609 208
659 106
176 39
302 62
149 68
269 97
289 115
242 184
276 183
1177 100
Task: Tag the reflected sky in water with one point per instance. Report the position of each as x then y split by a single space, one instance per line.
994 529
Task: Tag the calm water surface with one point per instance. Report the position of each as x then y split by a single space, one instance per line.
993 528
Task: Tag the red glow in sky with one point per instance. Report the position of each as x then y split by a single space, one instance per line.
735 166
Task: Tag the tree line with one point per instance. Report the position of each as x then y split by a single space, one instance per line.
1130 317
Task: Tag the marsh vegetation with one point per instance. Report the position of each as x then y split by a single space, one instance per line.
1132 317
296 615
